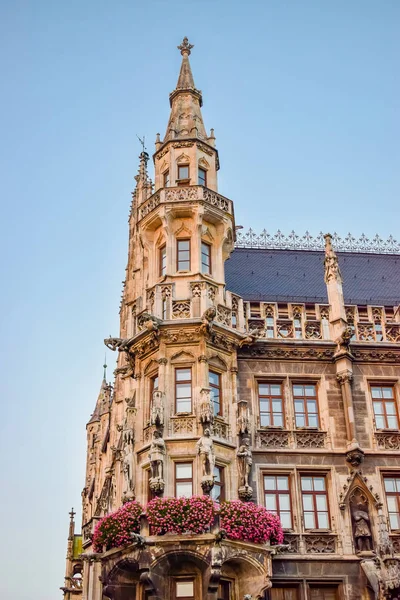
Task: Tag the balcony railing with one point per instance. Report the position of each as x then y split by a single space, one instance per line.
188 193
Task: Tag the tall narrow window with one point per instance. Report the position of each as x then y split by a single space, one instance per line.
205 258
315 502
214 381
183 480
277 498
184 589
224 590
234 320
163 261
305 405
183 173
298 332
270 325
183 255
392 492
183 390
271 404
166 179
202 177
153 384
385 409
218 491
164 308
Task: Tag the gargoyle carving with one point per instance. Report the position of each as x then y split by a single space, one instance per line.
343 341
207 320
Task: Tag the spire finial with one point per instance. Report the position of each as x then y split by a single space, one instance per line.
105 370
185 47
72 514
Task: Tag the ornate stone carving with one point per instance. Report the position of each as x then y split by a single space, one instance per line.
216 200
355 456
243 417
173 336
207 320
196 289
223 315
273 438
156 456
332 271
320 544
264 350
344 377
221 430
206 407
392 333
182 426
387 440
366 332
148 321
284 328
244 462
128 455
205 450
313 330
343 341
157 408
211 292
395 539
310 439
150 204
250 239
148 433
290 544
166 291
204 149
181 309
385 356
182 144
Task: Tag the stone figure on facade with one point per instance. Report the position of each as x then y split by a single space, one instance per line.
243 417
156 456
157 409
245 462
128 467
343 341
205 449
206 407
361 526
332 271
207 319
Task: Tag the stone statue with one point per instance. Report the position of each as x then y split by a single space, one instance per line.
343 341
150 322
243 417
205 449
206 406
207 318
332 271
245 462
362 531
128 467
156 456
157 408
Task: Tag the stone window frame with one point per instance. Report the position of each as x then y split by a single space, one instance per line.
306 381
289 476
384 382
217 372
181 367
210 253
183 180
385 474
268 381
178 240
327 475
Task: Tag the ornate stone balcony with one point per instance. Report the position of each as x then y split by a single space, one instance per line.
183 426
309 543
87 531
283 438
182 194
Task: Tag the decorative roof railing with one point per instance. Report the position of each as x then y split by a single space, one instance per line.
280 241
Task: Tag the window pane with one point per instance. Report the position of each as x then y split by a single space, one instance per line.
202 177
397 482
390 408
183 390
323 522
270 501
286 520
311 406
283 483
308 502
269 483
312 420
392 423
214 378
183 172
217 474
380 423
394 521
310 390
183 244
183 374
309 520
184 406
392 504
387 392
378 408
263 389
184 489
277 406
300 421
278 420
298 390
306 483
321 503
376 392
319 484
390 484
264 405
299 406
275 390
184 589
284 502
183 470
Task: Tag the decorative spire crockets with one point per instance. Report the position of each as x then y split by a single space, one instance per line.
332 271
186 120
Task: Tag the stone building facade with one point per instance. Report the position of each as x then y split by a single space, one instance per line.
286 370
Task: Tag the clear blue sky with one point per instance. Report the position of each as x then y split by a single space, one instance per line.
304 100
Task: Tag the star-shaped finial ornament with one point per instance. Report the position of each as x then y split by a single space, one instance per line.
185 47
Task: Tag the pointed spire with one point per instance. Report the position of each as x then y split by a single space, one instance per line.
185 120
332 271
103 399
105 368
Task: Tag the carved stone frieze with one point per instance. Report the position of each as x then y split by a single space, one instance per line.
173 336
320 544
386 440
395 539
273 438
281 353
149 205
284 328
313 330
204 149
216 200
366 332
392 333
310 439
373 355
182 144
196 289
211 292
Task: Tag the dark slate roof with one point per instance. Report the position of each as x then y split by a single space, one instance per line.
298 276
